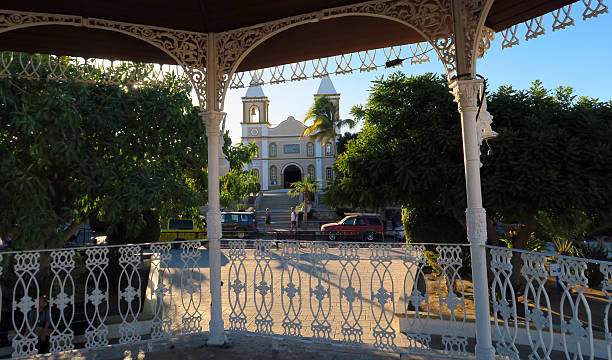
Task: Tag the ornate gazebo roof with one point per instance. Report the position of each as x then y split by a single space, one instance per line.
311 40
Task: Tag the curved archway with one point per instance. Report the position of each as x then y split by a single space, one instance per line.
291 173
254 114
72 20
289 164
307 20
479 32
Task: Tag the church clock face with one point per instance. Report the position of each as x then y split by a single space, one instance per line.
254 132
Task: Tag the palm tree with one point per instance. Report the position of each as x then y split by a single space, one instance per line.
326 121
304 187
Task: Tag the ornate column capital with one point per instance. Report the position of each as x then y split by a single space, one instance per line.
476 220
212 119
466 93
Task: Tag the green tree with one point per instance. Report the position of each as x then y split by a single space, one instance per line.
304 188
325 121
238 183
552 154
72 150
343 140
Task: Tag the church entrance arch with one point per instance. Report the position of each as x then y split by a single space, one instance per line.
291 174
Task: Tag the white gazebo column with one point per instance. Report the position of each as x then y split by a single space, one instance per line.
212 119
466 93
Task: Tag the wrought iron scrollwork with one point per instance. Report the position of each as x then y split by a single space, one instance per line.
263 287
191 288
320 292
96 298
291 289
237 286
350 294
161 291
382 296
61 305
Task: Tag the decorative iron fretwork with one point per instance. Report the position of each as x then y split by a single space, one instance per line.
61 301
25 304
291 289
382 297
535 300
577 326
320 292
504 304
96 298
431 18
191 288
451 295
237 285
128 287
10 20
416 298
263 287
350 296
561 19
468 19
606 287
187 48
161 291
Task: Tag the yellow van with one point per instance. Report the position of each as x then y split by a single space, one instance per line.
181 229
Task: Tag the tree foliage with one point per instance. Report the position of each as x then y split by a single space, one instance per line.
304 188
408 151
553 153
72 150
238 183
325 121
343 140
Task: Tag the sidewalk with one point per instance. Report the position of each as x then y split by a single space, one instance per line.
245 347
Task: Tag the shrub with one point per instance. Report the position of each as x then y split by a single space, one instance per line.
584 250
432 226
432 260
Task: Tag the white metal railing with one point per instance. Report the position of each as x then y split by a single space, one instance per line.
100 296
413 299
373 295
544 307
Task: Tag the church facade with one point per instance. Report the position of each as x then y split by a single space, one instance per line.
284 156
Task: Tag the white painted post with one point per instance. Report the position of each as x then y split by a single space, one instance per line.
466 93
212 120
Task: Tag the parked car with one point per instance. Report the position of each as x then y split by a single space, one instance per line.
238 224
181 229
82 237
399 232
363 226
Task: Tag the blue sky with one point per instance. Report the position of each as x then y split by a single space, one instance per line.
579 56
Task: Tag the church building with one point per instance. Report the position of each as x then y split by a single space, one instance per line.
283 156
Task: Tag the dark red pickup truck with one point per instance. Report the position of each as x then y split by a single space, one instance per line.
365 226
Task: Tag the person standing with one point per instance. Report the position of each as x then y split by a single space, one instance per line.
293 219
268 226
40 322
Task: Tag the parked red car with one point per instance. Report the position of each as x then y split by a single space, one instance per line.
365 226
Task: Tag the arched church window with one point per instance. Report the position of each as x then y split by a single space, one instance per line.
273 178
310 149
273 150
311 171
254 114
329 173
328 149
